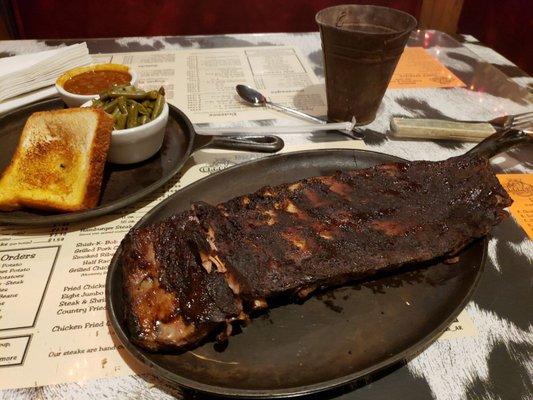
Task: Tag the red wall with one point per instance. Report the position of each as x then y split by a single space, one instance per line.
504 25
96 18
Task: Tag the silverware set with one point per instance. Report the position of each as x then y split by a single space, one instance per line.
470 131
416 128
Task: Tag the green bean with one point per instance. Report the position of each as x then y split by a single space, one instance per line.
121 101
120 122
140 108
130 106
111 107
143 119
103 96
152 94
144 110
158 106
126 88
133 111
97 103
135 96
115 113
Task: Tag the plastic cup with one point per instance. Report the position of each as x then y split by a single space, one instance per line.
362 45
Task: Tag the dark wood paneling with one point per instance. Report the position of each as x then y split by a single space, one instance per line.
505 25
89 18
7 21
442 15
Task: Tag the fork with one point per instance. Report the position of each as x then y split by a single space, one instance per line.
516 121
470 131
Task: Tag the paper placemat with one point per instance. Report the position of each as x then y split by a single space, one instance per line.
53 323
520 188
201 82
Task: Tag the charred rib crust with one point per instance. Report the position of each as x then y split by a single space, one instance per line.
167 289
292 238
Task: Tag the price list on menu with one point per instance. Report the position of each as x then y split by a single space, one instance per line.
201 82
27 260
53 324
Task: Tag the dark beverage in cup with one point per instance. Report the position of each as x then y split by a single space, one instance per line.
361 45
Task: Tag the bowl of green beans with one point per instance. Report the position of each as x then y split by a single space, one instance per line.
139 117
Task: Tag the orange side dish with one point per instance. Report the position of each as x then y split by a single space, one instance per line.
94 82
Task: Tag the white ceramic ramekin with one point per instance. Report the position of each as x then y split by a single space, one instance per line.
137 144
76 100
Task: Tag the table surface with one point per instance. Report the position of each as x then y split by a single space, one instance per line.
496 363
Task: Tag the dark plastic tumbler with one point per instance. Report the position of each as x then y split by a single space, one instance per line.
361 45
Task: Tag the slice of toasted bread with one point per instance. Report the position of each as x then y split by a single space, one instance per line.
59 161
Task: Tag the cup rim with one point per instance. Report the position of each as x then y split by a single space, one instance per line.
413 22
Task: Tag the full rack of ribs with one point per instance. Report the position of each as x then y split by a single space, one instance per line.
195 274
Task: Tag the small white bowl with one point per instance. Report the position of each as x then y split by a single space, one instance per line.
129 146
76 100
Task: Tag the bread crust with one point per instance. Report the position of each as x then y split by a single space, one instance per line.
97 159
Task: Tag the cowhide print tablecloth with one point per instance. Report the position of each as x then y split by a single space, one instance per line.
496 363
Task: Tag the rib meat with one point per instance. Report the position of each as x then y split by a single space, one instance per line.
196 273
171 300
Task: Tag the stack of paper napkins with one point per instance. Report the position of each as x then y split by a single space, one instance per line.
22 78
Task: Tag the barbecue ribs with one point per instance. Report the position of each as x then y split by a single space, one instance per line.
196 273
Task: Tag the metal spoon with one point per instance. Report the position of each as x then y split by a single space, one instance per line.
257 99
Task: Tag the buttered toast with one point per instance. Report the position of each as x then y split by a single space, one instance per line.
59 161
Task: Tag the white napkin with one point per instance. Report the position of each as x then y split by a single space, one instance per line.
27 98
28 74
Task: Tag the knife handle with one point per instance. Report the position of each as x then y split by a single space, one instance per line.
422 128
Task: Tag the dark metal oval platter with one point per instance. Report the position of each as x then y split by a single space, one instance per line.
331 339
